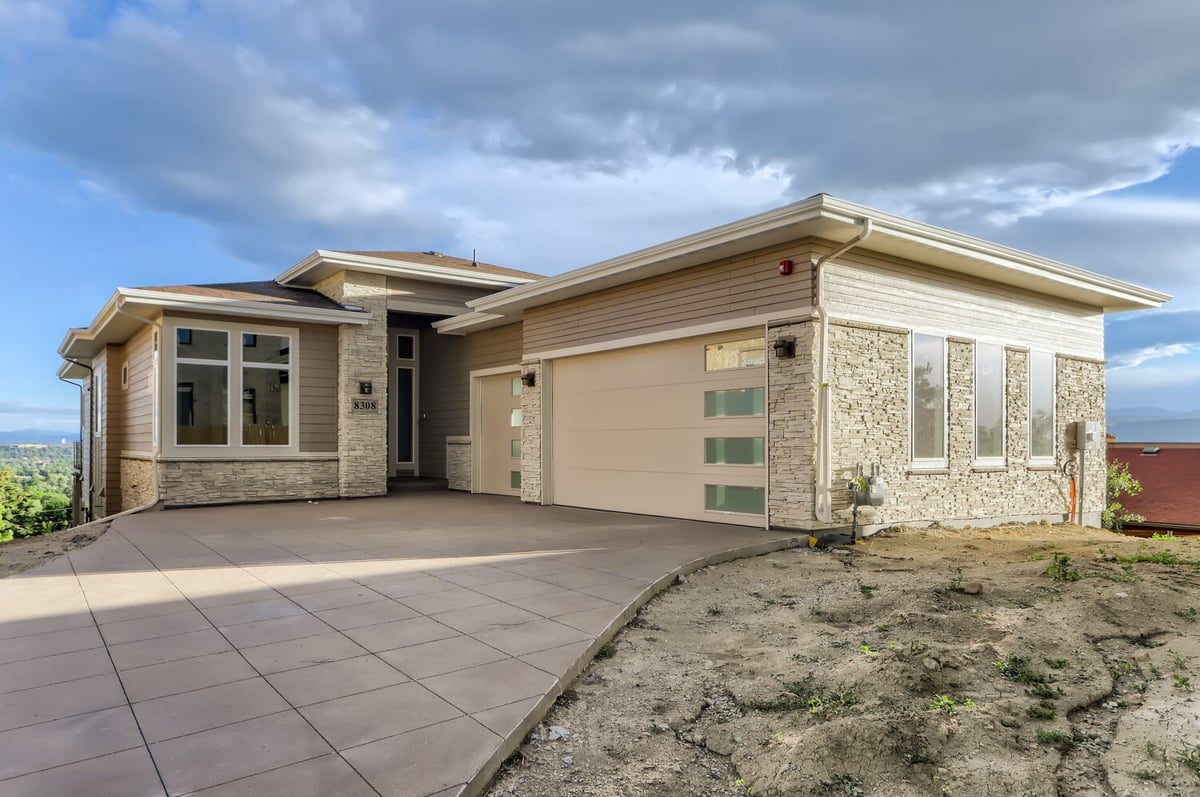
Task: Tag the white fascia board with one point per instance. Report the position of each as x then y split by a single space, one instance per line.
78 334
996 254
425 306
396 268
460 324
241 307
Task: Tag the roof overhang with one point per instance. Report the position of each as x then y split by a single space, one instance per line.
322 264
836 221
128 309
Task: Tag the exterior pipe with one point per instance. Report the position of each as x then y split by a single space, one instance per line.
76 490
823 497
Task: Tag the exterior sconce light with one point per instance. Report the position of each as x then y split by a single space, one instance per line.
785 347
529 379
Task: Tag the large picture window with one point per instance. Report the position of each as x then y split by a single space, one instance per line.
215 366
1041 408
928 401
989 404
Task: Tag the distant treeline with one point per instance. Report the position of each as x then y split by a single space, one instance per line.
35 489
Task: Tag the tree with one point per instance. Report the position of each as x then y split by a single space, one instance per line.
1121 484
26 511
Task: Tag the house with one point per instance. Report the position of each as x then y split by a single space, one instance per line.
745 374
1169 500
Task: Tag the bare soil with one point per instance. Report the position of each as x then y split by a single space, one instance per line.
1018 660
23 553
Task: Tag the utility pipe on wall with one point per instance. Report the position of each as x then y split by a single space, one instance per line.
824 465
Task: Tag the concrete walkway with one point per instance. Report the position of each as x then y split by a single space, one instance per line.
391 646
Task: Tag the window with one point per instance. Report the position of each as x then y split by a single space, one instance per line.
516 385
97 401
514 449
733 451
928 401
732 403
515 419
124 376
514 479
215 367
741 500
989 404
1041 408
735 354
406 347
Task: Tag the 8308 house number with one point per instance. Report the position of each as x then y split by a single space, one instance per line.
366 405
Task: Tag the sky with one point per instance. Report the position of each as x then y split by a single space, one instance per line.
190 141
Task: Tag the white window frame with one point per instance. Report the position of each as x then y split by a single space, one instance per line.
928 463
1051 460
98 401
1001 460
234 448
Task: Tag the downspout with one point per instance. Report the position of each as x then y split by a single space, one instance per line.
77 494
155 421
823 498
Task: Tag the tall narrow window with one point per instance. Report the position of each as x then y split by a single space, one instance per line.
266 389
989 404
97 401
929 401
202 387
1041 408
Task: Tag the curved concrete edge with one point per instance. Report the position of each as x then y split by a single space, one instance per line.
509 745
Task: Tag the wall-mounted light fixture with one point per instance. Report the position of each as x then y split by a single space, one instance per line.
785 347
529 379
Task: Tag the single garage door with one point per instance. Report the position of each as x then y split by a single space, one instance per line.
673 429
499 435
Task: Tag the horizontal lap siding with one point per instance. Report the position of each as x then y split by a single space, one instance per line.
494 348
137 401
727 289
318 389
874 289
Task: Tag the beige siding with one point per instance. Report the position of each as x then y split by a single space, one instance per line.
747 285
112 432
873 289
444 398
402 289
318 388
137 399
493 348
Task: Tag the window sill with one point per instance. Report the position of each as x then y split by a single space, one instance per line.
989 467
936 471
1041 468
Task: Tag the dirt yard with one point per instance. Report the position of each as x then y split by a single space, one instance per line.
19 555
1040 660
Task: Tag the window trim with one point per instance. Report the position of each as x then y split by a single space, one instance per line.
991 461
704 452
233 448
1052 459
928 463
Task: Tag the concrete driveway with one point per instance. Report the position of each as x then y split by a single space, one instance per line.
391 646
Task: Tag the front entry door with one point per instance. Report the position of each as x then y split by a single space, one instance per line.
499 434
403 376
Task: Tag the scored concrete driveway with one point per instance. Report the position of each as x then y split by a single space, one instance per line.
391 646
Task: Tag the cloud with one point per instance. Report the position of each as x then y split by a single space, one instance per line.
26 415
1158 352
285 126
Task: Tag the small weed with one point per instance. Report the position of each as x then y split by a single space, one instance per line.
1147 775
867 590
1191 759
1054 737
607 650
956 581
714 611
567 697
883 629
1159 536
1187 614
1179 661
1017 668
1156 558
867 650
1182 682
1056 664
1060 569
948 705
1044 710
1045 692
800 658
844 785
1155 751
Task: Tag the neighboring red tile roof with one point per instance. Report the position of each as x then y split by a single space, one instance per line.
1170 491
267 292
445 261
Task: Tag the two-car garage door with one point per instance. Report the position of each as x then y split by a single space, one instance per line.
674 429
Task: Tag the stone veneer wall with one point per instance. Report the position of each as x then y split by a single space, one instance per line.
232 481
458 462
1080 397
869 371
791 406
362 357
137 482
531 435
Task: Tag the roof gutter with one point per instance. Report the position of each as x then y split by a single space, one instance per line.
822 508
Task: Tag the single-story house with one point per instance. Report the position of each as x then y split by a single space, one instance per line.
744 374
1169 500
